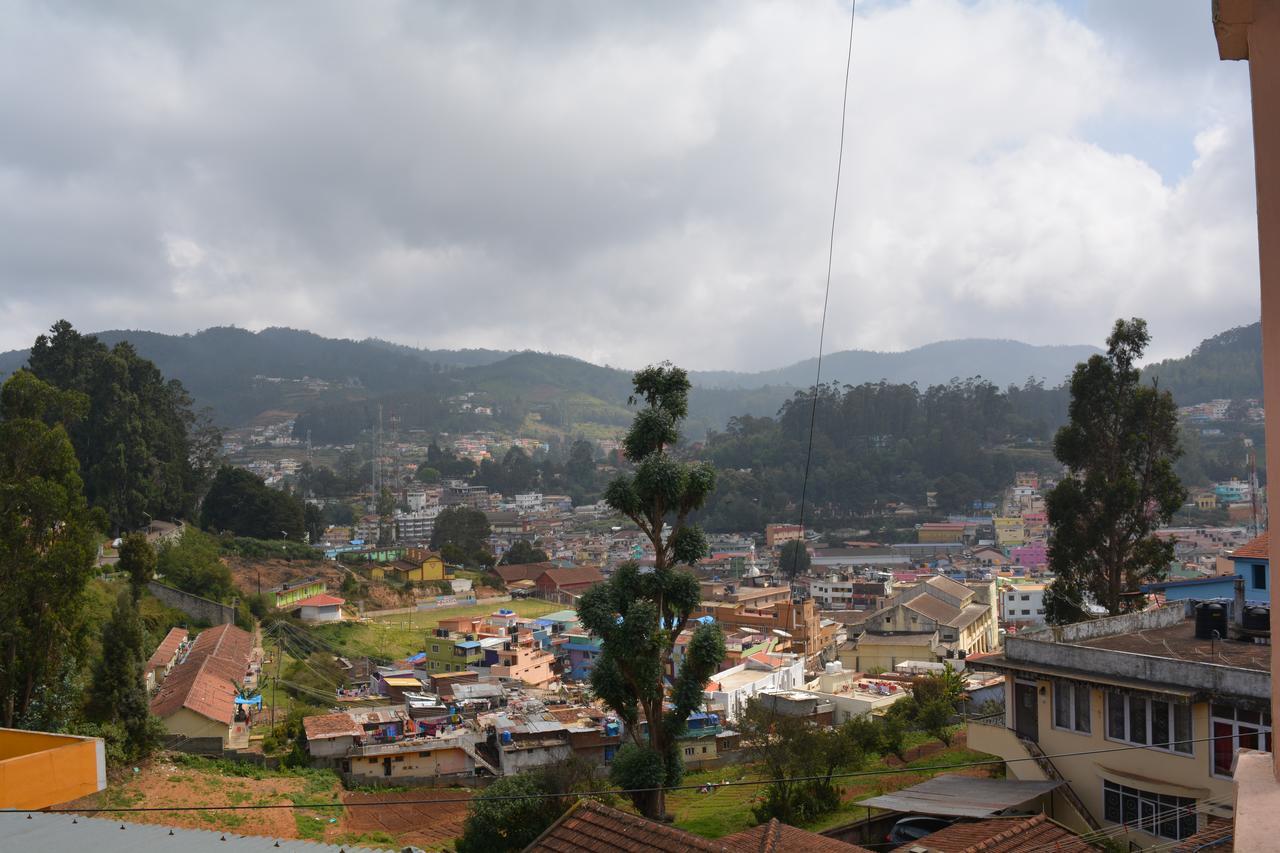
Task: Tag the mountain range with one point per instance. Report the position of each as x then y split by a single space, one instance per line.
240 374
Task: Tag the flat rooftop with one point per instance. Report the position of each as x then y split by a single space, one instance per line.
1179 643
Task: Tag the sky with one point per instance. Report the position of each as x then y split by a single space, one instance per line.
626 182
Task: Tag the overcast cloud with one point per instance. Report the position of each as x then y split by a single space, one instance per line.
625 182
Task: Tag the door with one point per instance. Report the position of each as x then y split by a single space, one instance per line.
1026 720
386 766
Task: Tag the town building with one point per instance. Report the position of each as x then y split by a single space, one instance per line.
932 620
848 592
1185 694
940 533
1250 568
296 590
197 700
319 608
800 623
165 657
729 690
522 659
1022 604
417 565
777 535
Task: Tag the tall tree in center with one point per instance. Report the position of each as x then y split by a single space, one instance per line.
639 613
1119 448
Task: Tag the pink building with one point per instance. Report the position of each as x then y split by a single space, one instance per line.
1032 555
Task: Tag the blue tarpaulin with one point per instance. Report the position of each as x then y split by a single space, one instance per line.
256 700
419 656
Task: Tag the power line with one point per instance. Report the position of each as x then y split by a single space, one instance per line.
623 791
826 296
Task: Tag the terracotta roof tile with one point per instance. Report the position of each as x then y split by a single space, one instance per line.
1257 548
168 647
321 600
206 681
574 576
775 837
1002 835
590 827
324 726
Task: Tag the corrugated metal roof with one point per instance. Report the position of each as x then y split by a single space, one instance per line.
77 832
961 796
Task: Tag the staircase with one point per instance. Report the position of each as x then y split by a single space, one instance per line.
480 759
1046 765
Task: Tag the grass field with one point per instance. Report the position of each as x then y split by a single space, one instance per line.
395 637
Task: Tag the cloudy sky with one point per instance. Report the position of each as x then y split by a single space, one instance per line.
625 181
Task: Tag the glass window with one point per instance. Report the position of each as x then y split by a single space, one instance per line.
1082 694
1145 720
1259 576
1071 706
1235 729
1157 814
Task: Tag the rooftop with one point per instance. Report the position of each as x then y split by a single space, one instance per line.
167 649
320 600
1256 548
325 726
1002 835
1179 642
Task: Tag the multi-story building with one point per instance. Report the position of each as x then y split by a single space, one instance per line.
1010 531
528 501
940 533
447 652
1141 715
928 621
807 632
776 535
522 659
849 592
1022 604
730 689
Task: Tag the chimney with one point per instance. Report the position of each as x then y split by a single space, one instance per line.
1237 606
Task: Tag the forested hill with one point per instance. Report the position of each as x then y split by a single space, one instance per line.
998 361
1226 366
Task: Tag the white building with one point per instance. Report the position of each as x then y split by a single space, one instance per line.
729 690
319 608
416 526
1022 604
528 502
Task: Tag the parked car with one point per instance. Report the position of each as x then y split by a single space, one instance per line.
915 827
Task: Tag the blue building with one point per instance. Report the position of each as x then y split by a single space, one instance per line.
1251 563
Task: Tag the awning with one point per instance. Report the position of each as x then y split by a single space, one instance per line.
950 795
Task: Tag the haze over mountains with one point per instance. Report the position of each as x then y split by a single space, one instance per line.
232 371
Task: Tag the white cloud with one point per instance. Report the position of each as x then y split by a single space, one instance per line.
622 182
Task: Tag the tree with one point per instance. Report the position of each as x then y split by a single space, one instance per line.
138 561
143 450
1119 447
496 823
193 564
385 506
464 528
239 501
119 691
638 615
48 538
522 553
794 559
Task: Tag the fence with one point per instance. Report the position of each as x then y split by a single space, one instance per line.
442 602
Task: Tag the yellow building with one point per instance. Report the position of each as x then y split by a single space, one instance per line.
1010 530
38 769
1206 501
927 621
416 566
940 533
1140 717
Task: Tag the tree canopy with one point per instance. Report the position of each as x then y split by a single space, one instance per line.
240 502
794 559
461 535
48 540
638 614
144 453
1119 448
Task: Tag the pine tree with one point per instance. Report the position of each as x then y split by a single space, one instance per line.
638 614
1119 448
138 561
119 692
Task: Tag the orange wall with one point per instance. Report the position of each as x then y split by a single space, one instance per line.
39 770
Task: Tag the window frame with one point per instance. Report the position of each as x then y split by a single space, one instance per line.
1147 716
1262 730
1259 570
1071 688
1151 812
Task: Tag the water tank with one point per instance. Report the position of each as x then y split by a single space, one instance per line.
715 719
1211 617
1257 618
834 668
961 653
505 737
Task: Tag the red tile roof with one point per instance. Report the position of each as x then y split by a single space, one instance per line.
163 655
324 726
320 600
589 827
775 837
206 681
569 577
1257 548
522 571
1002 835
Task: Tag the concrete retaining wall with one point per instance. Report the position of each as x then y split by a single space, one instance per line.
202 609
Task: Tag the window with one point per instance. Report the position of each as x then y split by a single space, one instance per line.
1026 598
1155 814
435 647
688 750
1146 721
1071 706
1259 576
1040 612
1234 729
1026 613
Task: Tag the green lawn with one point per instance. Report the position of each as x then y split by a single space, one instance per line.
399 636
728 810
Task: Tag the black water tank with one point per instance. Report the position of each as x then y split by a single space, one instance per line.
1257 619
1211 617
